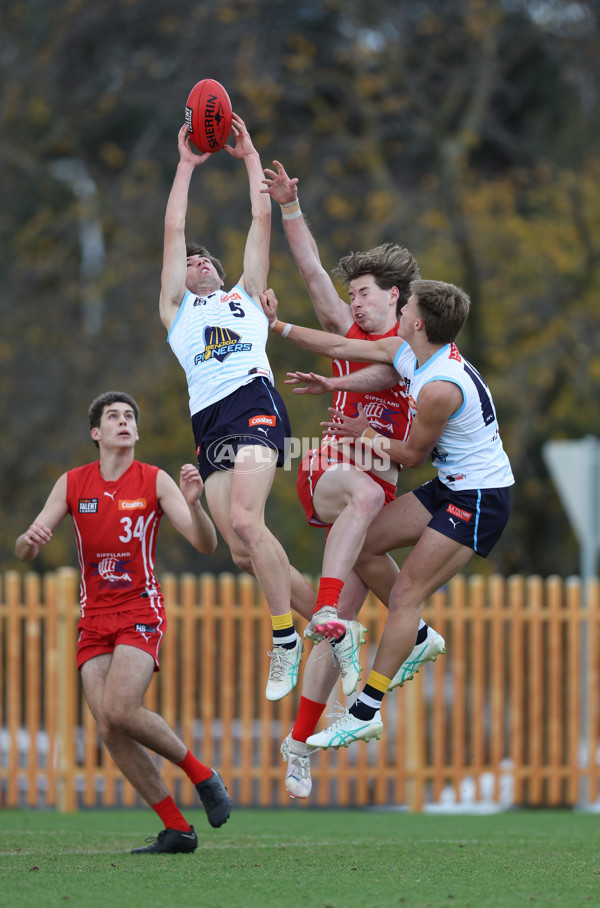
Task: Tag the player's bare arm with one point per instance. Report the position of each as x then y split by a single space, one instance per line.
333 313
437 402
332 345
184 509
40 532
311 383
172 289
256 252
371 378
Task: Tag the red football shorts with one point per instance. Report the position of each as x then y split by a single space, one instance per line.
312 466
143 628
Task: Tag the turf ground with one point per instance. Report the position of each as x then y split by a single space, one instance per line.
300 857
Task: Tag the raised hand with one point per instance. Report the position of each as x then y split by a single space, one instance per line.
280 187
190 483
185 149
243 142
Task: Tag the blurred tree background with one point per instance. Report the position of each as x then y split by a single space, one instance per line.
466 130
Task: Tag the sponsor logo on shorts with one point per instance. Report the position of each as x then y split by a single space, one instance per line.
131 504
88 505
262 421
458 512
145 629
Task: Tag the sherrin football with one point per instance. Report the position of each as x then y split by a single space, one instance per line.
208 115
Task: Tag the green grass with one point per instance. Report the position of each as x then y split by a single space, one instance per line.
292 858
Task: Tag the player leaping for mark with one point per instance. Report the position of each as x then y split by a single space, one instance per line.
219 338
464 510
336 487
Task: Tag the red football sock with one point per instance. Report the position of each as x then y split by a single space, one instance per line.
329 592
170 814
309 713
194 769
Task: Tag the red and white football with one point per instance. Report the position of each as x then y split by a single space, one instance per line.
208 115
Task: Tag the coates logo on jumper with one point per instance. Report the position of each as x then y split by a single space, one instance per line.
219 344
132 504
253 450
458 512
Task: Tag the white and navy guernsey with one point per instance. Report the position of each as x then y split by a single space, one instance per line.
220 341
469 454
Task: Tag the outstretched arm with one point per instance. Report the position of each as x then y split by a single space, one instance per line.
438 400
183 508
256 253
40 532
371 378
333 313
172 288
333 345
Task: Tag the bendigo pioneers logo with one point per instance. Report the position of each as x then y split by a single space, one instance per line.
220 343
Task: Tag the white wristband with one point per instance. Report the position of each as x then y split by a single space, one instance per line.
286 330
370 439
290 210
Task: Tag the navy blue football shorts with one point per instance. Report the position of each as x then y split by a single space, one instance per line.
254 414
474 517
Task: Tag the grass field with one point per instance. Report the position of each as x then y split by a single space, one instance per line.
299 857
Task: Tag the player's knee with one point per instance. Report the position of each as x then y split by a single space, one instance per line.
368 500
246 525
104 728
243 561
117 716
405 595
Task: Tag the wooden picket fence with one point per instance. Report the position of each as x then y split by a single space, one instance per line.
508 716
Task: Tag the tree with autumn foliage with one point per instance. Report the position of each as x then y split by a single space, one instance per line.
468 131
